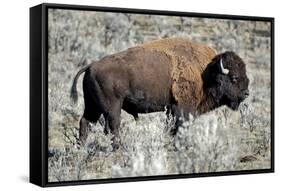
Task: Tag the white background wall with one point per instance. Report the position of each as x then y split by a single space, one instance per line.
14 94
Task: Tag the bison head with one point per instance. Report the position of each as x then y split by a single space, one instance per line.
226 81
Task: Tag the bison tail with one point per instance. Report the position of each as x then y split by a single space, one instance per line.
73 92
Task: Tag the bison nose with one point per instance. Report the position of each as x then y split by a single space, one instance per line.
246 93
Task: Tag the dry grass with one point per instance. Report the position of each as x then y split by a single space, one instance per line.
221 140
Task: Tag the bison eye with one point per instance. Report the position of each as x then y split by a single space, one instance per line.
234 79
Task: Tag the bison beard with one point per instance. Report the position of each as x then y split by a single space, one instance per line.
183 76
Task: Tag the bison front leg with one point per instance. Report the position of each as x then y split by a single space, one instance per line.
173 113
181 114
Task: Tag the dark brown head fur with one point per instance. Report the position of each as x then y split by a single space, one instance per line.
225 89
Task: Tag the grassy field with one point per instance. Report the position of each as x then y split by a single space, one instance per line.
221 140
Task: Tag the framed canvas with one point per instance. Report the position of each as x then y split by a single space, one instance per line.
122 95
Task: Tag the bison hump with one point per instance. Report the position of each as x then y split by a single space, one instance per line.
188 61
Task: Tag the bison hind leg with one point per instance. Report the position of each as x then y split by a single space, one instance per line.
83 130
88 117
113 119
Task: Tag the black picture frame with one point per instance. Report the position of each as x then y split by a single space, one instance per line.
39 93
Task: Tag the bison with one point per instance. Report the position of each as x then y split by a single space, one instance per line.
178 75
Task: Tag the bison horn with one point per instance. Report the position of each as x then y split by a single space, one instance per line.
224 70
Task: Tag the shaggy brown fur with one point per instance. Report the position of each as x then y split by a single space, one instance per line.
188 61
